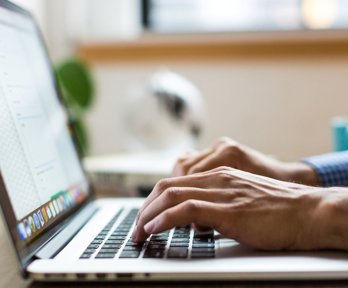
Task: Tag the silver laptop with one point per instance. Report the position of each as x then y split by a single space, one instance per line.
60 232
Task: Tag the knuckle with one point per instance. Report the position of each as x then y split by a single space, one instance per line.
180 163
223 140
171 194
162 185
192 205
182 159
194 170
225 169
231 149
182 167
224 175
243 184
222 169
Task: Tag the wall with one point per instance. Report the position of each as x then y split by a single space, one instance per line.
281 107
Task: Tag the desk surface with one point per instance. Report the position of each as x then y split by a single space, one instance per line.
9 277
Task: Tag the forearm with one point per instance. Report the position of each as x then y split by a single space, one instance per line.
328 170
300 173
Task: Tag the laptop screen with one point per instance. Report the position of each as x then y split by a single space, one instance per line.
40 168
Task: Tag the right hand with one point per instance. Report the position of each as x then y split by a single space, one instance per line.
256 211
227 152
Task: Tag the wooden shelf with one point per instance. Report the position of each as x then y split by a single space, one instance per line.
149 47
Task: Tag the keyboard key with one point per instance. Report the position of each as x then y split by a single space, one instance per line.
112 246
179 244
154 254
159 238
114 242
105 255
89 251
158 242
203 255
99 238
177 252
120 233
97 242
202 240
180 240
117 238
203 250
203 245
209 234
181 236
130 254
157 246
108 250
182 232
132 248
85 256
93 246
135 244
131 242
121 229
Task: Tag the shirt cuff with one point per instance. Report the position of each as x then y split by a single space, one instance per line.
332 168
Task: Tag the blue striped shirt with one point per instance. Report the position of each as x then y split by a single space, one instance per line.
332 168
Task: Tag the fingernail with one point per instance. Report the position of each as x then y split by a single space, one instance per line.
149 227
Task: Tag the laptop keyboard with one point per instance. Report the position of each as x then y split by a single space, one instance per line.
180 242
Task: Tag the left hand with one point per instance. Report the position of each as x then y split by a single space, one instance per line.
254 210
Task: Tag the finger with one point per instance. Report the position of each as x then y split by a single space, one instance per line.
184 164
174 196
197 180
192 211
212 161
200 229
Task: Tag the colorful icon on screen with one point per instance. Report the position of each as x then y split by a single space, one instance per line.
41 219
32 224
48 211
63 202
21 231
37 221
56 206
44 214
27 227
60 204
52 209
67 199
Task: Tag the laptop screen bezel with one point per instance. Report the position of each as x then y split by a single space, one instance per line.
26 253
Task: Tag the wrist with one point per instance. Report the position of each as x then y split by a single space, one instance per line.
329 219
301 173
322 222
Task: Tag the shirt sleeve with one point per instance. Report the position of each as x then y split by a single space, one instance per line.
332 168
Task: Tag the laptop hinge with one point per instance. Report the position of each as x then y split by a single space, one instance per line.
58 242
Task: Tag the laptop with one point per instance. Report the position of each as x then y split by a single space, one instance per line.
60 231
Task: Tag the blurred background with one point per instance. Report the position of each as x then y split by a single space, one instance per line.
271 74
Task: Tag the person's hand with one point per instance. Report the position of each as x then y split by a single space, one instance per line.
261 212
227 152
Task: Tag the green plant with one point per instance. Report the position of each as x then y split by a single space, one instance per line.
78 91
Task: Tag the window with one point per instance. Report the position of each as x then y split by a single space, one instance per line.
180 16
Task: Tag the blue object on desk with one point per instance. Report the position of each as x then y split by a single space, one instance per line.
339 127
